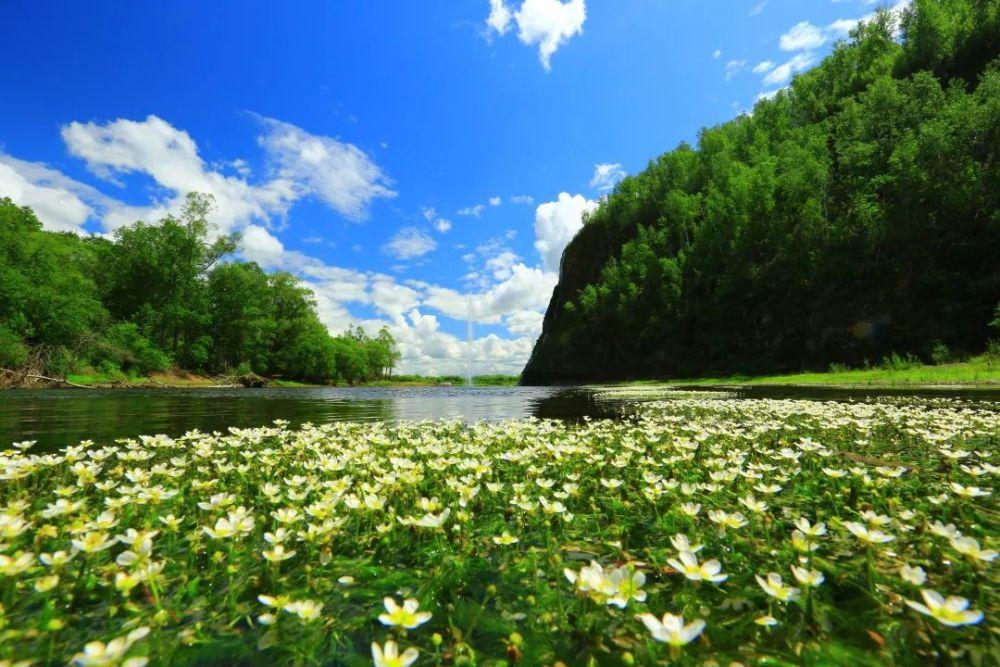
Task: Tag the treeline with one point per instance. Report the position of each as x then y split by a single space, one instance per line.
854 215
159 296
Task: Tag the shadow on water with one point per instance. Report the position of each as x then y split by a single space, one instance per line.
59 417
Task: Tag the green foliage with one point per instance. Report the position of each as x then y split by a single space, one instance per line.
941 353
13 353
158 295
896 362
853 215
129 350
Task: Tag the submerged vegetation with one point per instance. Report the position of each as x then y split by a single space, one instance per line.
158 296
764 532
854 214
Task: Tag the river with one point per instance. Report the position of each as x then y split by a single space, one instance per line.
59 417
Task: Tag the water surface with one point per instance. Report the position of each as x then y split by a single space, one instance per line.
59 417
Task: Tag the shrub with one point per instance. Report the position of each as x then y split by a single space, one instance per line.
13 353
127 349
896 362
940 354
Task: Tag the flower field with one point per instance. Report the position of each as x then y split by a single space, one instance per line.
702 531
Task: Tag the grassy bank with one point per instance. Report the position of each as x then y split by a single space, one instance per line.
980 371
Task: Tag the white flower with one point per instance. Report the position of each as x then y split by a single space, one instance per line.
776 588
863 533
969 546
689 566
913 575
405 616
817 530
808 577
952 612
671 629
99 654
307 610
682 543
389 656
968 491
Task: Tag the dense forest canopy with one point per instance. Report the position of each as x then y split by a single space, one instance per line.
158 296
854 215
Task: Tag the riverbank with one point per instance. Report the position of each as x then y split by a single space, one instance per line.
188 380
978 372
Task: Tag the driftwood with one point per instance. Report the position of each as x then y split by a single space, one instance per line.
25 379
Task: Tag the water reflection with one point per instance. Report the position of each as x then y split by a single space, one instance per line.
56 418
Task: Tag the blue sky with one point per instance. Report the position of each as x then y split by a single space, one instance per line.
409 160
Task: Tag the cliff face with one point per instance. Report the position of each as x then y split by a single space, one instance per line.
552 361
852 217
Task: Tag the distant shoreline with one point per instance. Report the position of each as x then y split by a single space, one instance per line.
185 380
978 373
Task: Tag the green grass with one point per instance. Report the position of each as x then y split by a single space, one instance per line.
980 371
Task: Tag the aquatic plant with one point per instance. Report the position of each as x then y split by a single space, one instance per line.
700 528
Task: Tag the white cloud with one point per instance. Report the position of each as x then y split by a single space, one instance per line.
782 73
429 213
303 164
501 265
734 67
442 225
768 94
61 204
764 67
606 175
259 245
556 223
802 36
474 211
525 323
340 174
495 201
546 23
499 18
522 199
758 8
716 54
409 242
170 157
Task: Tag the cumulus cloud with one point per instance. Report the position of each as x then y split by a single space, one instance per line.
303 165
409 242
780 74
526 323
522 199
547 24
442 225
340 174
556 223
802 36
61 203
499 18
606 175
495 201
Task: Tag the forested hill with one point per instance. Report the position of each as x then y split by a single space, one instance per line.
854 215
